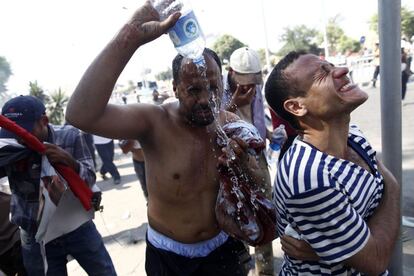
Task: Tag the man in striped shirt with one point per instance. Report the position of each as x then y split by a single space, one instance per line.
331 190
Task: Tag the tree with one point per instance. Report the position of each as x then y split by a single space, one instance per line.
38 92
5 73
373 23
347 43
226 45
407 23
164 75
56 107
299 38
262 55
338 41
334 33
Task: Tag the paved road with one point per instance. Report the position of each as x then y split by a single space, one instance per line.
123 221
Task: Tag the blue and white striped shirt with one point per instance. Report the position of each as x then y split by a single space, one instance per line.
328 200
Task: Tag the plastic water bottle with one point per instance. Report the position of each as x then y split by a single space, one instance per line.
279 137
186 35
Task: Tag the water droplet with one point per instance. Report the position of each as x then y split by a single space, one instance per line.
239 205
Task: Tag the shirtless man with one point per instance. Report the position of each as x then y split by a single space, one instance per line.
181 154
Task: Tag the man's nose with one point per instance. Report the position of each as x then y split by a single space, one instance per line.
204 97
339 72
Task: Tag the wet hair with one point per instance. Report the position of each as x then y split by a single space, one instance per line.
176 64
280 88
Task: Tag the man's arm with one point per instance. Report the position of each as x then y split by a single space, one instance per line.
384 226
88 107
83 157
374 256
72 150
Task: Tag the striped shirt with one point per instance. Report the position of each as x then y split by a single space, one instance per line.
328 201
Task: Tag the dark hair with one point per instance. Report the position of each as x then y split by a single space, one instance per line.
176 64
279 88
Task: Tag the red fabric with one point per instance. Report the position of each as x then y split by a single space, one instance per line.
276 121
76 184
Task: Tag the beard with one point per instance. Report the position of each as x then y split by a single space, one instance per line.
201 116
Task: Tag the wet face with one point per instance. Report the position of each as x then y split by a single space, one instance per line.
328 89
198 95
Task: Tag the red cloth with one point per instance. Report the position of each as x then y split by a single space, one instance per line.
276 121
76 184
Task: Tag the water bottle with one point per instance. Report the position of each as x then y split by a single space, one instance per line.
186 35
279 137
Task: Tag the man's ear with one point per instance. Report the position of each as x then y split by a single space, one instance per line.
174 84
295 106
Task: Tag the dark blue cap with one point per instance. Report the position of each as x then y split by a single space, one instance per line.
24 110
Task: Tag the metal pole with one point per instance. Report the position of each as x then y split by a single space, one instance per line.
389 19
266 40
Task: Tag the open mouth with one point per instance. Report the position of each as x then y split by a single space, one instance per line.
347 85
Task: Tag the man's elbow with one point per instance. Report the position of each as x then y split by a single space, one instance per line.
75 119
70 116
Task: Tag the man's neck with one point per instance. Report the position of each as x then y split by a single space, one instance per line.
329 137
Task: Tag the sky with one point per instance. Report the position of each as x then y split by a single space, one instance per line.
54 41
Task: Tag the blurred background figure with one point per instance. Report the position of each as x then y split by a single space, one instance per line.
11 261
105 148
376 62
138 160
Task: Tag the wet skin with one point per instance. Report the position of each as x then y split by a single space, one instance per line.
181 159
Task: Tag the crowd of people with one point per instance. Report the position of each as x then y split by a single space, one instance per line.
337 207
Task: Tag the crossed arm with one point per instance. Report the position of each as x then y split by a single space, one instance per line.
374 257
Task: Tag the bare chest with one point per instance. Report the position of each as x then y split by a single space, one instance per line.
184 167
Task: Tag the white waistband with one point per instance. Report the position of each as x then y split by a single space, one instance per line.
190 250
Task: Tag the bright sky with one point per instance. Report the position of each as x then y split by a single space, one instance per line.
53 41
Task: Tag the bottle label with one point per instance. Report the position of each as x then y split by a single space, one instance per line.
185 30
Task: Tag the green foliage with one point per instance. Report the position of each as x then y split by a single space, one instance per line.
338 41
334 33
164 75
55 102
5 72
226 45
346 43
262 55
407 22
38 92
373 23
56 107
299 38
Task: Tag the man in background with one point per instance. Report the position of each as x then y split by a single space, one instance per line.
243 96
70 230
